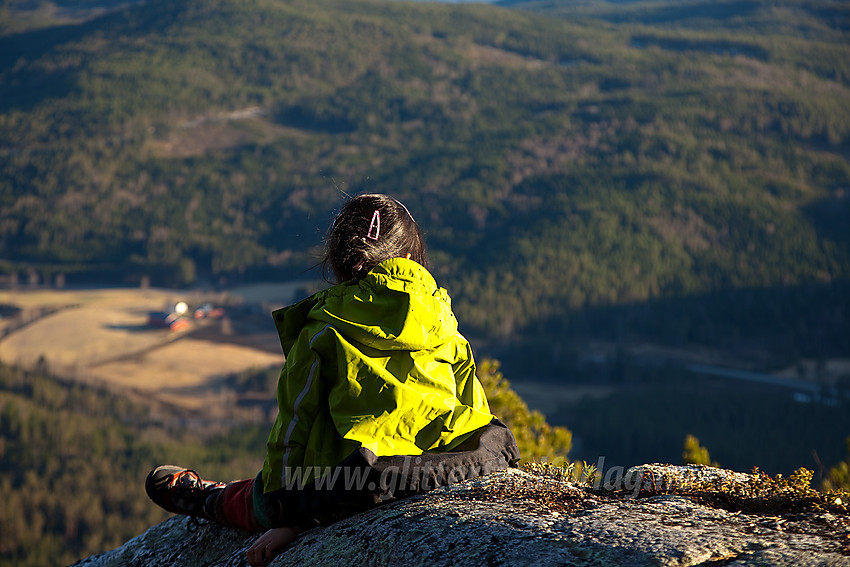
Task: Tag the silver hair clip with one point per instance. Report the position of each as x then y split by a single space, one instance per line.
374 225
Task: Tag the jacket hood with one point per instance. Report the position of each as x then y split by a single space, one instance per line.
397 306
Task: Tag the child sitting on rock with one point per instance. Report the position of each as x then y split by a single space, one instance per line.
377 399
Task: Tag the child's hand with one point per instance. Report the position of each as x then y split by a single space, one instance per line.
269 545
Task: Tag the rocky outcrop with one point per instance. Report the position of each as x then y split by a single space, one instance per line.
518 518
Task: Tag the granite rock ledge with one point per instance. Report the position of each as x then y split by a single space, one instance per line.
518 518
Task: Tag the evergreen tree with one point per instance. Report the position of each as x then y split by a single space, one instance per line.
696 454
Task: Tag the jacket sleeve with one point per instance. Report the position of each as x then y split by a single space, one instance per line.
470 392
300 397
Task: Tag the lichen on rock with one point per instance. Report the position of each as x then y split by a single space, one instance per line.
515 517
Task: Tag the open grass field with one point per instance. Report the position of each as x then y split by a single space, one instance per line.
103 336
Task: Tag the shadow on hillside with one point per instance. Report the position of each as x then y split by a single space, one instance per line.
715 47
26 83
306 118
667 14
830 217
733 15
755 328
34 44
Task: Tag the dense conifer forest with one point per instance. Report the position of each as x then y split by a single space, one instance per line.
73 461
566 168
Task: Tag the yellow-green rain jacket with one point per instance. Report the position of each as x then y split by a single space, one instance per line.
376 363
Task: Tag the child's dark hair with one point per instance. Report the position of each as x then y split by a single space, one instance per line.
368 230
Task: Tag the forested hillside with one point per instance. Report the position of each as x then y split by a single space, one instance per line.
73 460
663 170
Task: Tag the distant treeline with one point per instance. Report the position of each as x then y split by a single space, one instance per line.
621 173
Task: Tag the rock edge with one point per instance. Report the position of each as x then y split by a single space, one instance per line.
517 518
